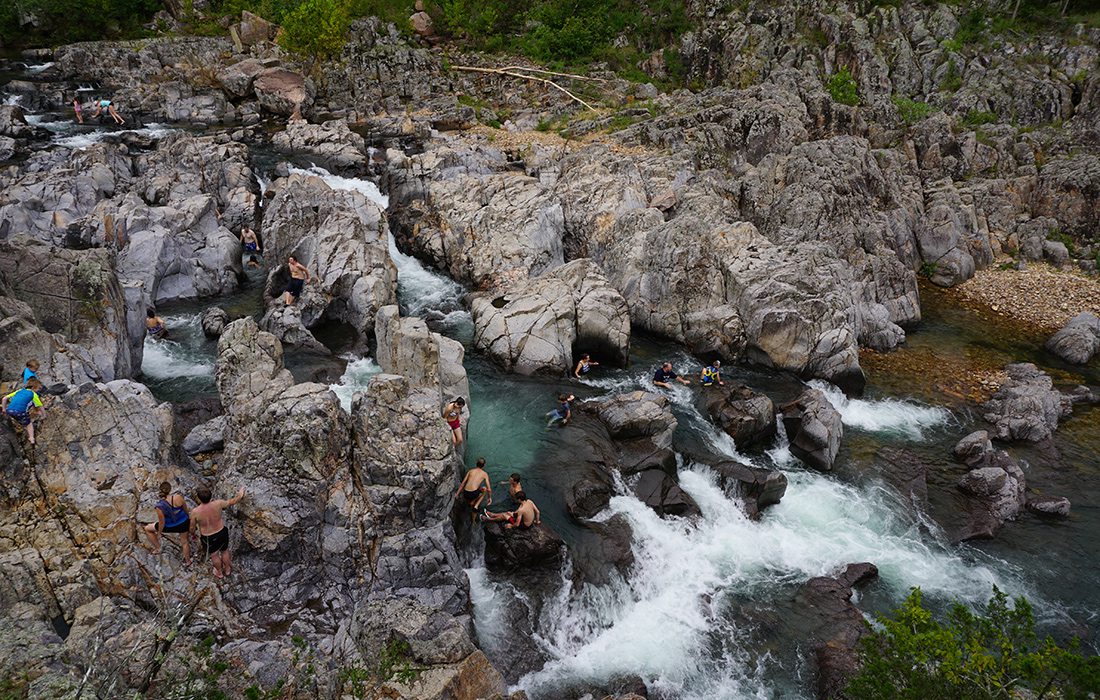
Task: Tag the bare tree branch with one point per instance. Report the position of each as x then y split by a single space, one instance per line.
513 74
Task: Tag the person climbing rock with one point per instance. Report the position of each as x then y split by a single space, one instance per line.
564 411
712 374
583 366
299 276
30 371
665 374
213 532
154 325
250 242
513 484
78 109
452 413
24 406
172 517
107 106
476 487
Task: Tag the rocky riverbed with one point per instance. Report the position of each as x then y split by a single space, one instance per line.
873 285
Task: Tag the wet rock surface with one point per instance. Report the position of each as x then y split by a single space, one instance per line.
747 416
1027 407
814 429
1078 340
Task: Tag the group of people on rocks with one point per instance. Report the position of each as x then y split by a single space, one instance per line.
476 491
103 106
204 520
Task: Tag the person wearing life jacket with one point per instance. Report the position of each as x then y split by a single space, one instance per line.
711 374
172 517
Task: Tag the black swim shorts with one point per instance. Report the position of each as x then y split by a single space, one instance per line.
218 542
295 286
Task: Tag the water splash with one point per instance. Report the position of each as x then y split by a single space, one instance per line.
905 418
365 187
35 69
356 377
81 141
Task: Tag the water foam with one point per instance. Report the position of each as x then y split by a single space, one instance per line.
168 359
81 141
356 377
35 69
906 418
365 187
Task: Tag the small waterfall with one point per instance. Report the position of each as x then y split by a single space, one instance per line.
904 418
36 69
356 377
365 187
82 141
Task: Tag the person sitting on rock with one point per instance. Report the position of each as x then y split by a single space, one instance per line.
299 276
108 107
475 487
583 366
213 532
452 413
172 517
30 371
563 412
523 517
712 374
78 109
514 485
250 242
24 406
665 374
154 325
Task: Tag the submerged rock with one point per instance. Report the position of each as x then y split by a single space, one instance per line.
1026 407
1078 340
1049 506
814 429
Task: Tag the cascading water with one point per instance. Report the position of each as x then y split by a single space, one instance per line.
884 415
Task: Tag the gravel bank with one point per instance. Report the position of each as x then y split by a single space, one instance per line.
1039 295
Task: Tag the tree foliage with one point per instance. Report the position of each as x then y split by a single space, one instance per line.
842 87
315 28
993 654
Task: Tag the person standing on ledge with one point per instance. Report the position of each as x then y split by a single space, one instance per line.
712 374
664 375
299 276
475 487
172 516
249 241
213 533
79 109
452 413
583 366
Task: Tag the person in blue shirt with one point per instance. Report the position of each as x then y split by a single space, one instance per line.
30 371
564 411
712 374
24 405
665 375
107 106
172 516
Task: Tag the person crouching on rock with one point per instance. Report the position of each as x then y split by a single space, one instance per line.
665 374
563 412
475 487
172 517
452 413
712 374
299 276
154 325
108 107
213 533
523 517
24 406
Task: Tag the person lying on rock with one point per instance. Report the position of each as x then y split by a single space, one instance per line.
563 412
249 241
514 485
172 517
24 406
154 325
213 533
108 107
664 375
30 371
299 276
475 487
523 517
583 366
712 374
452 413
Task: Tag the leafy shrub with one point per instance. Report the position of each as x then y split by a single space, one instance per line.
993 654
316 28
842 88
911 111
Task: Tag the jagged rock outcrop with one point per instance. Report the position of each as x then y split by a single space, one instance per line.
659 491
755 487
521 548
534 326
405 346
838 625
995 490
284 92
333 144
1049 506
1026 407
345 251
205 437
814 429
973 448
213 321
21 339
1078 340
747 416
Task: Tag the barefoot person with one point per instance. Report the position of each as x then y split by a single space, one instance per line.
563 412
108 107
213 533
475 487
665 374
78 109
712 374
249 241
24 406
583 366
299 276
154 325
513 484
452 413
172 517
523 517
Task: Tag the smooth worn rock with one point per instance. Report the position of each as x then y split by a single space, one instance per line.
814 429
747 416
283 92
1078 340
1049 506
206 437
660 492
1026 407
973 448
755 487
213 321
521 548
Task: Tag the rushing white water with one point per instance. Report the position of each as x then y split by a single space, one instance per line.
355 378
35 69
177 358
85 140
365 187
12 99
884 415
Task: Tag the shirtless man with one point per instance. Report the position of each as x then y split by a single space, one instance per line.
299 276
213 534
523 517
513 484
249 241
475 487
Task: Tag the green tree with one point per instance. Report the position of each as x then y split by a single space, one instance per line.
990 655
316 28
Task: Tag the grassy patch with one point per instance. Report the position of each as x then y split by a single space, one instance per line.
912 111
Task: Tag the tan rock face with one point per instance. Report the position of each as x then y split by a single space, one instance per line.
422 24
254 29
284 92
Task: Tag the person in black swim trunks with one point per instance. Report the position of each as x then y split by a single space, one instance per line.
299 276
213 533
475 487
172 517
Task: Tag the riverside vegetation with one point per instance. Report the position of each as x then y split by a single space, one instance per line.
855 206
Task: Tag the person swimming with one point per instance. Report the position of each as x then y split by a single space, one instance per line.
583 366
154 325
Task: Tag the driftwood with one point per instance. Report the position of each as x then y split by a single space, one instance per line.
511 72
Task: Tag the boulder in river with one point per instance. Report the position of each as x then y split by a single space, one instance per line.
747 416
213 321
521 548
814 429
973 448
1078 340
755 487
283 92
837 627
1026 407
533 327
992 494
660 492
1049 506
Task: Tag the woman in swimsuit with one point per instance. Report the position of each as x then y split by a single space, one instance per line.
154 325
173 517
79 110
452 413
583 366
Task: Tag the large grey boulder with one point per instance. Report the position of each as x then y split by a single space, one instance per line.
333 144
747 416
755 487
814 429
533 327
13 122
521 548
973 448
213 321
283 92
205 437
994 493
660 492
1078 340
426 359
1026 407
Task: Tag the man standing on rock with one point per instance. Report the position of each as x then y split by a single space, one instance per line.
299 276
664 375
250 242
213 534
